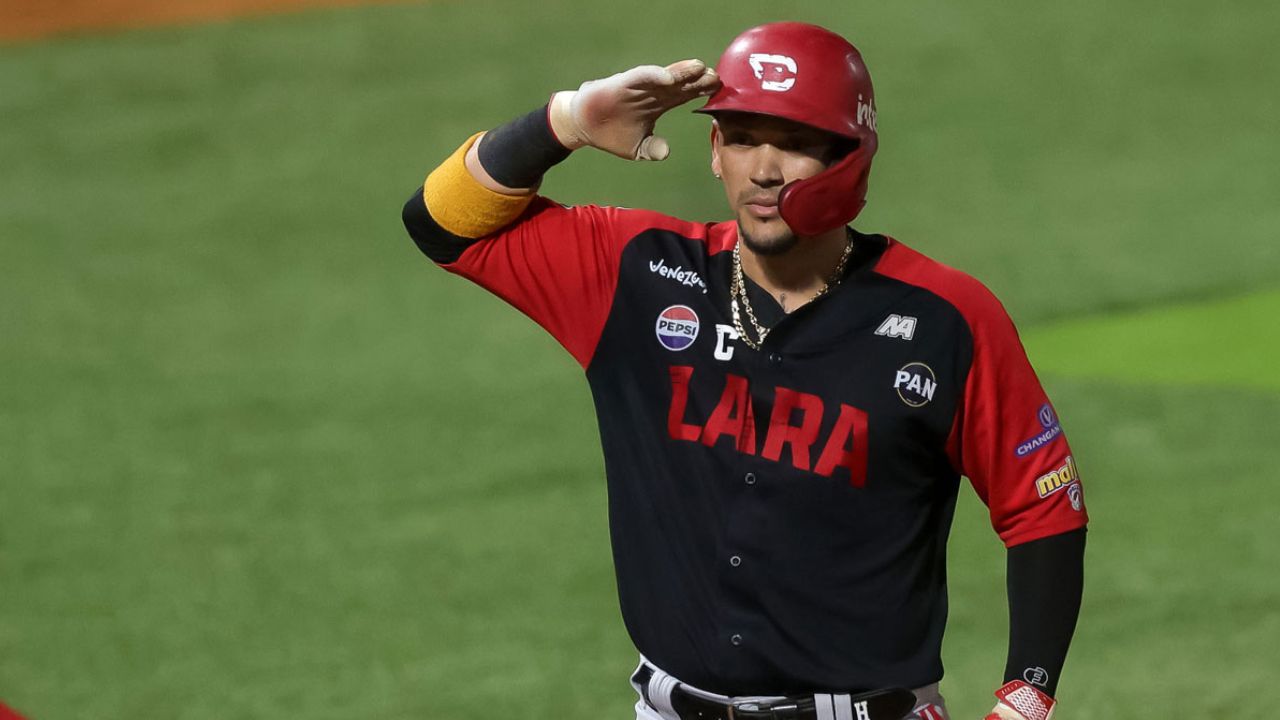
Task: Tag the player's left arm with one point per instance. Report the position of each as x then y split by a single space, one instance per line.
1010 444
1045 580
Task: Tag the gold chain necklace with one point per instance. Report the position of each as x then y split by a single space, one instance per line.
738 291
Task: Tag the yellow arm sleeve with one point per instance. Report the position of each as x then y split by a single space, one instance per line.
464 207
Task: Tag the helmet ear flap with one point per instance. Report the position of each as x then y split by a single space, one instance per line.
832 198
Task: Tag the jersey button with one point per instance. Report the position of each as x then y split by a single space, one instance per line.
736 639
774 358
735 561
750 479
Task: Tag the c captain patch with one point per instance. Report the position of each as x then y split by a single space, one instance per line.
677 327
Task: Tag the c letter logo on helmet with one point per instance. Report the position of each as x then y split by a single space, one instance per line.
775 72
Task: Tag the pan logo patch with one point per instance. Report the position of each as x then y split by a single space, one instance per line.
915 384
677 327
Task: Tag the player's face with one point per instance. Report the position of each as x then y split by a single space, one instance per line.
755 156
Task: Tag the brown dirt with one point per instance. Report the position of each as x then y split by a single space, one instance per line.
31 19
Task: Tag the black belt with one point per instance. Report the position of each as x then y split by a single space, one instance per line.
886 704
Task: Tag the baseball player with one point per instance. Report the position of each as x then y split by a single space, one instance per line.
786 404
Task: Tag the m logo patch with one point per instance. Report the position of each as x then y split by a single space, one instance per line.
898 326
776 73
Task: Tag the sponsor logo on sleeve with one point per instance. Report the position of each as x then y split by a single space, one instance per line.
1049 421
677 327
867 112
688 278
1063 477
915 384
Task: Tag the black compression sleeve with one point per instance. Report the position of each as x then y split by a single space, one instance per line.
519 153
1045 580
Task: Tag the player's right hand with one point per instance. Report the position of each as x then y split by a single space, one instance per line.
1017 700
617 114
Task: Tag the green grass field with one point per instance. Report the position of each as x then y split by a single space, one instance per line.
258 459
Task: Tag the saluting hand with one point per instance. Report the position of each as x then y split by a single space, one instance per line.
617 114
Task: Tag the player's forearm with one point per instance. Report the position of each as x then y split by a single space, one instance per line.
483 187
1045 582
512 159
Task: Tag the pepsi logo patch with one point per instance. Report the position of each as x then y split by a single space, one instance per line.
677 327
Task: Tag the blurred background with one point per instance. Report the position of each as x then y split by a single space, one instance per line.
260 459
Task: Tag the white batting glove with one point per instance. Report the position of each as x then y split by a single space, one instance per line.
617 114
1016 700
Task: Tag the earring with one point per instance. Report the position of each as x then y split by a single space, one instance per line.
717 175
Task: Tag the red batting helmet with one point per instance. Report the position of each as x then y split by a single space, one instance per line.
813 76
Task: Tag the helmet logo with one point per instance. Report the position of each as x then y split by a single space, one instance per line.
775 72
867 112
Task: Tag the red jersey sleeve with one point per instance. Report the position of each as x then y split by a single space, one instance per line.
1011 445
559 265
1005 437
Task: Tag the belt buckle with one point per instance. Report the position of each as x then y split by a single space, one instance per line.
783 711
789 710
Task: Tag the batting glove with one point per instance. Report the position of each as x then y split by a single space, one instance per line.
617 114
1016 700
